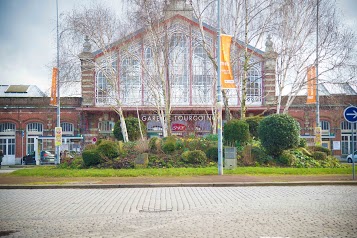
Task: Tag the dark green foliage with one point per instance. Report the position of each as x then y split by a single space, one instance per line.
132 127
236 131
303 143
91 158
320 148
194 157
212 153
72 163
153 144
319 155
259 155
286 158
119 163
90 147
211 137
108 149
279 132
253 123
168 144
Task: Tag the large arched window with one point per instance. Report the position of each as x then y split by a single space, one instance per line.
254 86
178 71
202 77
106 79
130 81
153 85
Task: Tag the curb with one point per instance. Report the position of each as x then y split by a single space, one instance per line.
162 185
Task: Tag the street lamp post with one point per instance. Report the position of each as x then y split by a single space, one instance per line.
219 104
58 159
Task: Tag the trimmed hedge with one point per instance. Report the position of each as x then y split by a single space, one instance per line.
91 158
108 149
236 131
194 157
279 132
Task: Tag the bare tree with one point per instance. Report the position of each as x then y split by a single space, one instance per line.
295 43
248 20
102 27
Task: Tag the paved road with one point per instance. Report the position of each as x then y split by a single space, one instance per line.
307 211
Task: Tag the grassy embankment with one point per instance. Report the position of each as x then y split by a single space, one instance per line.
52 171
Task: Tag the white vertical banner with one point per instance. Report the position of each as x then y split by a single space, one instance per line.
58 136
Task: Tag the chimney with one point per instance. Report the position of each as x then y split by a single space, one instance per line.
270 57
87 74
180 7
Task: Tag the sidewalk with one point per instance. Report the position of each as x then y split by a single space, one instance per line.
8 182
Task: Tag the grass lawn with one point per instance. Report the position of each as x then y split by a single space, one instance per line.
52 171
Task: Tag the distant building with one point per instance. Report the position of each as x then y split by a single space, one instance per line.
27 122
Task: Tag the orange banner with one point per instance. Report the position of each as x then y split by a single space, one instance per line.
311 85
53 101
227 80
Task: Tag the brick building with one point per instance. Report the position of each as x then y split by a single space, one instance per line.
27 121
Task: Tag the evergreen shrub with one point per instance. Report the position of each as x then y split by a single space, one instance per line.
236 131
91 158
194 157
212 153
286 158
319 155
279 132
108 149
132 127
253 123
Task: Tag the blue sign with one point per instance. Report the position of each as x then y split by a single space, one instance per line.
350 114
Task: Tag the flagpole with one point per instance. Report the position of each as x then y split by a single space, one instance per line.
58 92
219 94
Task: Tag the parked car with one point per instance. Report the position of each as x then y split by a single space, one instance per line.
47 157
29 159
349 157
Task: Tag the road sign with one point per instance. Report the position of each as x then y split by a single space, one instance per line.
94 140
350 114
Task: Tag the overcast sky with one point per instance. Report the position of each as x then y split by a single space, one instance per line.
27 37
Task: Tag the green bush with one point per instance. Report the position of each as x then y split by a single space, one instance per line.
91 158
303 143
321 149
72 163
236 131
132 126
211 137
286 158
305 151
168 144
253 123
319 155
278 132
108 149
194 157
259 155
212 153
90 147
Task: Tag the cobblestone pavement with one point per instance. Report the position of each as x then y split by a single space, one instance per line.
306 211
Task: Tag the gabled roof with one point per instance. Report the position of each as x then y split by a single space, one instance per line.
20 91
138 33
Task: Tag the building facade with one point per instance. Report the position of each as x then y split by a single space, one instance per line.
27 122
